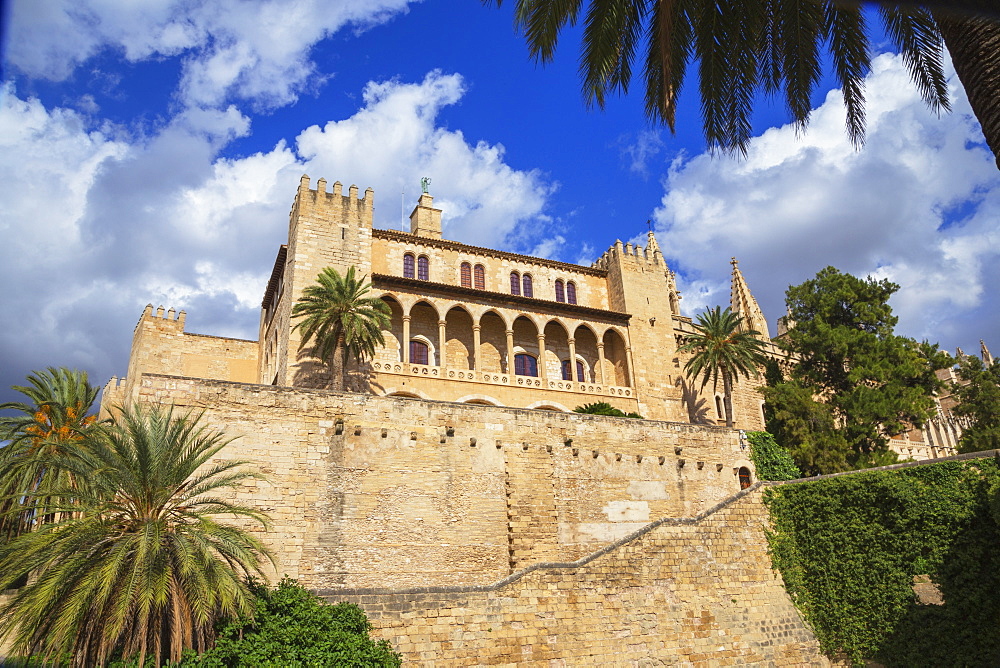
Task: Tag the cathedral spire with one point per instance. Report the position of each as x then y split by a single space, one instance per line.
985 353
743 303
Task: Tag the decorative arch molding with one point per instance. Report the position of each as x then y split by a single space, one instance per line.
478 398
430 303
549 405
405 393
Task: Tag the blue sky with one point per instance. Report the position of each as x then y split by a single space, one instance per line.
149 153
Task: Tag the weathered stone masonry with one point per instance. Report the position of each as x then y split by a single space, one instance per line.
688 592
366 490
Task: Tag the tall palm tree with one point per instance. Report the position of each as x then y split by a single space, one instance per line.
746 46
972 37
51 426
723 347
139 564
341 320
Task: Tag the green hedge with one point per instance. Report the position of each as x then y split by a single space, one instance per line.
848 549
771 461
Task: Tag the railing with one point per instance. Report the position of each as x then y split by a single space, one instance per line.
491 378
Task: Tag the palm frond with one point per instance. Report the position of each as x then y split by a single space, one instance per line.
847 35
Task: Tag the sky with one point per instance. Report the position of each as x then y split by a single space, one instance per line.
150 152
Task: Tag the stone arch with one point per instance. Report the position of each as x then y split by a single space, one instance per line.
424 327
547 405
492 343
616 367
392 351
459 344
479 400
526 343
408 393
745 476
556 347
586 352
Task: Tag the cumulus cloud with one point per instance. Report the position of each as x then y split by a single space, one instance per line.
798 204
98 226
254 50
394 140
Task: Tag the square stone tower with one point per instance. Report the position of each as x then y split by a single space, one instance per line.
325 229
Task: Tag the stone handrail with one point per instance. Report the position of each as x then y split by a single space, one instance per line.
492 378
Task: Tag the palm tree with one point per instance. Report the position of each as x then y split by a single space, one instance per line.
53 425
139 563
973 40
770 45
723 347
342 321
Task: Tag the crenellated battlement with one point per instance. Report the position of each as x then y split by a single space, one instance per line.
649 255
160 314
335 204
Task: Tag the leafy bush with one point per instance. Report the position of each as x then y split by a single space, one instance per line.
293 628
770 459
604 408
848 549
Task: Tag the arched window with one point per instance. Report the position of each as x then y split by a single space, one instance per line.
515 283
408 265
419 352
527 286
423 268
579 371
745 478
480 273
571 292
466 275
525 365
560 294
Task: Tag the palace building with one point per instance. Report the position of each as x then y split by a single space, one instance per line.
469 324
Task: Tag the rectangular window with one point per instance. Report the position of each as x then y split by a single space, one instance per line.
525 365
418 352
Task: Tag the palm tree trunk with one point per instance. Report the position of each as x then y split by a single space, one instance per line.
727 400
338 363
974 45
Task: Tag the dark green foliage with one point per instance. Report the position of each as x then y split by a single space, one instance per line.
604 408
848 549
979 397
872 383
293 628
771 461
723 347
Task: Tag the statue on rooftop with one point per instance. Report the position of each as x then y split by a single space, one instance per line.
425 182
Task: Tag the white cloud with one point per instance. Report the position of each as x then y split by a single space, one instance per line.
95 227
247 49
798 204
394 140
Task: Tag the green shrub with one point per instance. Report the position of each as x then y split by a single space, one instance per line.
604 408
292 628
848 549
771 461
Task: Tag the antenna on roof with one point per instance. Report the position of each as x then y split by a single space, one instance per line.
402 209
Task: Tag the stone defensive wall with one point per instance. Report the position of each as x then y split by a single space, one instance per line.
679 592
367 491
